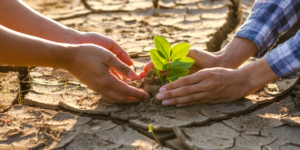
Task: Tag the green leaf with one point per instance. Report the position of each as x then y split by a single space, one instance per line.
158 62
150 128
162 54
158 73
185 62
162 45
180 50
177 72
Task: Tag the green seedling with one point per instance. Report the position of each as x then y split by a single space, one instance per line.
173 60
151 130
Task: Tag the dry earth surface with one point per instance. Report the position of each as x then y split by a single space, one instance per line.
60 112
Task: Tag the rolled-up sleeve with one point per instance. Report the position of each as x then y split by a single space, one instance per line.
285 59
266 22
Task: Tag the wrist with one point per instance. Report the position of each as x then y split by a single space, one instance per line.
64 55
73 36
257 75
236 52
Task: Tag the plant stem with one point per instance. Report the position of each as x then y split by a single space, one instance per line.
156 138
151 130
168 67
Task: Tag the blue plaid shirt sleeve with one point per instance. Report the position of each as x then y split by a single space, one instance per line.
266 22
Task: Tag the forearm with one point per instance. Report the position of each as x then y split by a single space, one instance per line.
256 75
236 53
16 15
267 21
24 50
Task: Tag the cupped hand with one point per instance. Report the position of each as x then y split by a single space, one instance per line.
202 59
105 42
96 67
212 85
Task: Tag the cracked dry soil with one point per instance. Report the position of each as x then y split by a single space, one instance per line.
59 112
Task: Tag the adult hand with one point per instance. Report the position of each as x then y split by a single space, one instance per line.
217 85
212 85
105 42
91 64
232 56
202 59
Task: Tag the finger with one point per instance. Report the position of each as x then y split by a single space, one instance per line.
115 74
186 99
125 89
121 53
148 66
203 58
117 50
115 97
194 53
180 92
121 68
137 77
143 74
183 81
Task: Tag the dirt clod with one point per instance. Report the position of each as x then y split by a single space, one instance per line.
149 80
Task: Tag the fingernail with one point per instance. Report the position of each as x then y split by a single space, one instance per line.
166 102
142 74
160 96
162 89
180 105
138 78
131 75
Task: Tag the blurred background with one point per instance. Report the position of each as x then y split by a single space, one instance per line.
205 24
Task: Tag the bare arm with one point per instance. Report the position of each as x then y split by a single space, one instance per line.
89 63
16 15
25 50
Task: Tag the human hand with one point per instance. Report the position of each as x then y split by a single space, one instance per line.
105 42
92 65
217 85
202 59
212 85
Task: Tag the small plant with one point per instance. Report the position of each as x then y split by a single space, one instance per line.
151 130
173 60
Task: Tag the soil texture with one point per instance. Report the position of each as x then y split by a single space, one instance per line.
60 112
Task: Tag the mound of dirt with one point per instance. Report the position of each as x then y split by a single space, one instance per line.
151 84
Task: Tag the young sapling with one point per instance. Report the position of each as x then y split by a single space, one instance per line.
173 60
151 130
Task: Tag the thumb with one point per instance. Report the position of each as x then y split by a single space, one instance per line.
123 70
148 66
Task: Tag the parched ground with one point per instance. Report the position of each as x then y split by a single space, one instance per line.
60 112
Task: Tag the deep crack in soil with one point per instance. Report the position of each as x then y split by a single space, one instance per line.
151 84
234 18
